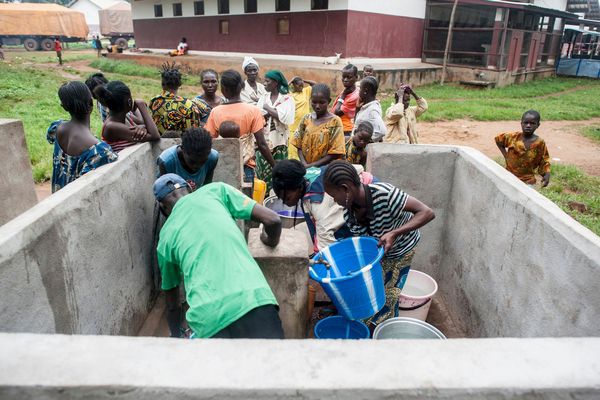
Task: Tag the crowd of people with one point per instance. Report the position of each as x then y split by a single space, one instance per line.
310 151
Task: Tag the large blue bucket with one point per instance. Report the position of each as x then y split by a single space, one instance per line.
354 280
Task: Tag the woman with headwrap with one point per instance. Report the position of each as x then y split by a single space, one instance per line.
278 107
252 90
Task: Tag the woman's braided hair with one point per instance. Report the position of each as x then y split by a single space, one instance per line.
340 172
288 175
170 75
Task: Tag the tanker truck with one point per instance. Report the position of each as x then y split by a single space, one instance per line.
35 25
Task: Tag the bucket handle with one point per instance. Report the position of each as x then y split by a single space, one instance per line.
414 307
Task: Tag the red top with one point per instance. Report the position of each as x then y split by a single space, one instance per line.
57 45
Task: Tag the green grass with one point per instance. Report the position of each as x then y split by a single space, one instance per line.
132 69
453 101
592 132
568 183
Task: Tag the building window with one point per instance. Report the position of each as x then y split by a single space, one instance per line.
319 4
177 10
250 6
282 5
158 10
223 6
283 26
224 27
199 7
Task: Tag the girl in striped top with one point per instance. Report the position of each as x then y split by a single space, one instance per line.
386 213
116 132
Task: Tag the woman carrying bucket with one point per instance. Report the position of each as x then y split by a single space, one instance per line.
386 213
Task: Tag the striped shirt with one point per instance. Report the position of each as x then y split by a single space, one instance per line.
385 212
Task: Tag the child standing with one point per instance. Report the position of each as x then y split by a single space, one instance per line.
194 160
320 136
301 94
401 118
345 104
356 146
58 49
525 152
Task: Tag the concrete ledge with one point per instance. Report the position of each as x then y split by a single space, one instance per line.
16 179
286 269
508 261
99 367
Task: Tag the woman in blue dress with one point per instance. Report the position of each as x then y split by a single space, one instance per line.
76 150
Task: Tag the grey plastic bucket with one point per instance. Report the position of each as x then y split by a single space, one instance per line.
286 214
406 328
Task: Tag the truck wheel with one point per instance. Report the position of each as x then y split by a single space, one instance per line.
47 44
30 44
122 42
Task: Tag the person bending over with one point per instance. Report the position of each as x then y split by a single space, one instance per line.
227 294
119 129
76 149
320 135
525 152
386 213
194 160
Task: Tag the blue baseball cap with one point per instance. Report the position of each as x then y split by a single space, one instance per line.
166 184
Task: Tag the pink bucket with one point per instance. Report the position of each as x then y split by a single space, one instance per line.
416 296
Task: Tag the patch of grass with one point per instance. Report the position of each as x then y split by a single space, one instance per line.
568 183
593 132
125 68
508 103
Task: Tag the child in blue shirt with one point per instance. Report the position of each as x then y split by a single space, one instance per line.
194 160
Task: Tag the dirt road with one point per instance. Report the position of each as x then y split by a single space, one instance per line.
564 142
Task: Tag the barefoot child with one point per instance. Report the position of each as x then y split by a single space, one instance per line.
356 146
525 152
320 136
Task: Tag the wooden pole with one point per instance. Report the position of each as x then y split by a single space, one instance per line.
448 41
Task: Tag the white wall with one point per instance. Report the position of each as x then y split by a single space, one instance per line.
90 10
143 9
404 8
556 4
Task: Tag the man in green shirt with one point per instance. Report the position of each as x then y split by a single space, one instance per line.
200 242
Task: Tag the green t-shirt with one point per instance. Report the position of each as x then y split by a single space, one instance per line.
201 242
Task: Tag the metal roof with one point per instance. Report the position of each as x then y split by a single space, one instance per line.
516 5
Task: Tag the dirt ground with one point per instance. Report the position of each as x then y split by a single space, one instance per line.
565 144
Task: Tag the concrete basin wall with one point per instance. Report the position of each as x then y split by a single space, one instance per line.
83 260
507 260
109 367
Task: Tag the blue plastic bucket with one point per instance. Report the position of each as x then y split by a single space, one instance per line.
354 280
338 327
